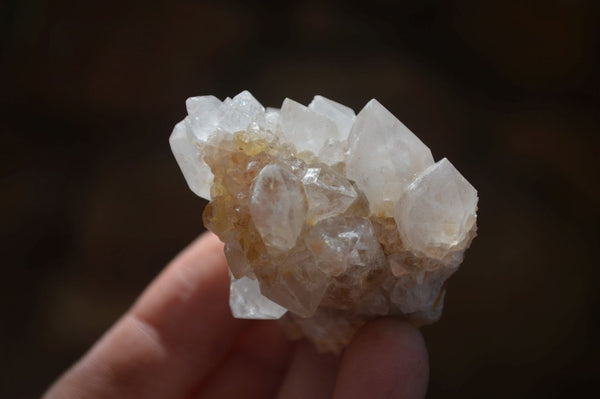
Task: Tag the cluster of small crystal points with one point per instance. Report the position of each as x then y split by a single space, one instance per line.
329 219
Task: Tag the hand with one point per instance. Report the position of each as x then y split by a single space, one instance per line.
179 340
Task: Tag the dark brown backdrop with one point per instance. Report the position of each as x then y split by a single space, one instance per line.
93 203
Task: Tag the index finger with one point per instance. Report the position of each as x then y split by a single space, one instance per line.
177 331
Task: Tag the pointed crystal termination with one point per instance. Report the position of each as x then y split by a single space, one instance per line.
328 193
342 116
238 113
196 172
300 289
437 211
343 242
335 148
329 219
278 207
247 302
305 128
384 156
203 114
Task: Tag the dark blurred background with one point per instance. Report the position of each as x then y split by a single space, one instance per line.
94 205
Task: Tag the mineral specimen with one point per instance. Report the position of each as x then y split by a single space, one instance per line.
329 219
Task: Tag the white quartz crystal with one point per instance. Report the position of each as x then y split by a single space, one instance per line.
305 128
203 115
329 219
328 193
247 302
196 172
207 115
384 156
341 243
299 289
238 113
278 207
272 120
342 116
437 211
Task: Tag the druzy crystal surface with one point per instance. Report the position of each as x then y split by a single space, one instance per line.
329 219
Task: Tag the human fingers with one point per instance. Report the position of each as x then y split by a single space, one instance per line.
174 335
310 374
254 367
386 359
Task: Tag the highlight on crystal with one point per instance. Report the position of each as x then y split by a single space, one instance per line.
329 219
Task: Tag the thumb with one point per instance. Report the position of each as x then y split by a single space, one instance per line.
386 359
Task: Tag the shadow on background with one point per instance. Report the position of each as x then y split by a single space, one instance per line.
94 204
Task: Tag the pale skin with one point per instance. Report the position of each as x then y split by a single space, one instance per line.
179 340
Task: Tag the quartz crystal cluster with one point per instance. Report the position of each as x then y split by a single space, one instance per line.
329 219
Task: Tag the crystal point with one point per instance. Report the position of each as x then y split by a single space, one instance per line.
328 193
247 302
196 172
237 114
342 116
278 206
343 242
203 114
304 128
384 156
437 211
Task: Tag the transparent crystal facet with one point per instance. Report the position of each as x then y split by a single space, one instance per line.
342 242
437 211
328 193
278 207
304 128
342 116
298 288
237 114
247 302
384 157
196 172
203 114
